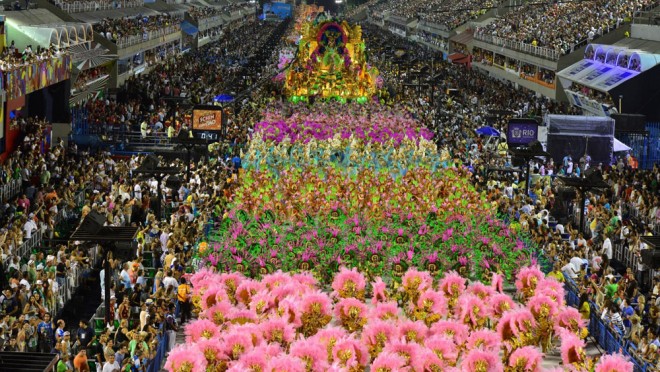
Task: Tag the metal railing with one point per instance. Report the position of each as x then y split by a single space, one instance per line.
610 338
647 18
128 41
91 6
543 52
10 190
25 249
74 278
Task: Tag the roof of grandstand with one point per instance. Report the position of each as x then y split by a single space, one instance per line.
97 16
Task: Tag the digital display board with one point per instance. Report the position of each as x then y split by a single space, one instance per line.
207 119
522 132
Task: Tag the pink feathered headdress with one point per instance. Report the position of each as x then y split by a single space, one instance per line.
479 361
542 306
572 348
379 289
185 358
551 288
614 363
348 283
514 323
385 311
285 363
528 358
278 330
497 282
201 328
480 290
434 302
527 279
451 328
443 347
350 353
452 285
389 362
412 331
472 310
484 339
570 319
501 303
312 353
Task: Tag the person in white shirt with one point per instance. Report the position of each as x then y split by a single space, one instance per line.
607 247
30 226
169 280
110 364
137 191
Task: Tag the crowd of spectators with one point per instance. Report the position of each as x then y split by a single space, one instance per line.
592 94
450 14
149 292
76 6
561 26
118 29
89 75
198 12
145 305
11 57
228 66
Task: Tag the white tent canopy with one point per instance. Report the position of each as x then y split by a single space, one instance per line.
620 146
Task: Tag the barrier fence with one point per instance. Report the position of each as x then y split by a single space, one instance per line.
610 339
128 41
91 6
538 51
25 249
10 190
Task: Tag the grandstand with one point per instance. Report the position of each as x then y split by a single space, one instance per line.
526 43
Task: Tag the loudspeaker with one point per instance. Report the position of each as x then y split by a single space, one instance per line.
566 193
173 182
535 146
593 175
125 251
651 258
150 162
93 223
618 266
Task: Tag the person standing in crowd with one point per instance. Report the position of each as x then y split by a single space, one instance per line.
46 336
184 298
110 365
171 327
85 335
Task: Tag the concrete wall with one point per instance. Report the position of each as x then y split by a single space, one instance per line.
503 74
148 45
520 56
646 32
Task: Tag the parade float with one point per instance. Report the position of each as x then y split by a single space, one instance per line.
330 63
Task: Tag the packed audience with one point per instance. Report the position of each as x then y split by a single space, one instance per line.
89 75
144 305
11 57
198 12
447 13
76 6
562 26
118 30
228 66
